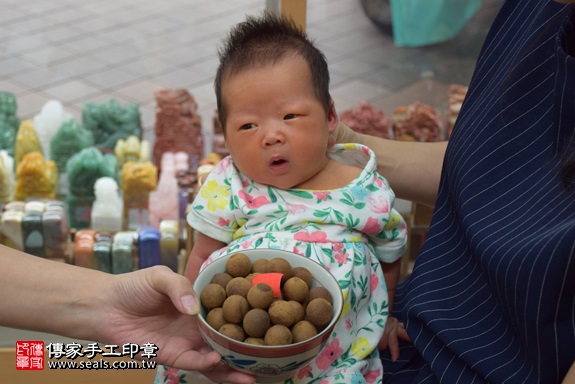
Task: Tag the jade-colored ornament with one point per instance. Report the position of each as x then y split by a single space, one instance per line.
132 149
7 177
26 141
47 122
70 139
82 170
138 180
9 123
33 233
103 251
36 178
123 251
110 122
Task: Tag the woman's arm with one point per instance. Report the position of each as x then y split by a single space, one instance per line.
49 296
413 169
151 305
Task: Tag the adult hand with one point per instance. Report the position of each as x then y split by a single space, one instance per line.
156 305
344 134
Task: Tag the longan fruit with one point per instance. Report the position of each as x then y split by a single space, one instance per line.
238 265
254 341
260 296
320 291
238 286
298 310
278 335
260 266
281 266
215 318
233 331
235 308
221 278
304 274
251 276
212 296
319 312
256 322
281 313
295 289
302 331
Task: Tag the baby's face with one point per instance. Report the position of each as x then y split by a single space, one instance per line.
276 128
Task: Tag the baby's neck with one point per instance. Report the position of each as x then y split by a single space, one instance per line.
333 176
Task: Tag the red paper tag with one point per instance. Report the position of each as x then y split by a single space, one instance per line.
273 279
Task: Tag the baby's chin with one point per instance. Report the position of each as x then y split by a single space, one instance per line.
279 184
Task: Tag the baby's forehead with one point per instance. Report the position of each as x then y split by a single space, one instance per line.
262 61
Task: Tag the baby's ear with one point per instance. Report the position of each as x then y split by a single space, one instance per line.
332 122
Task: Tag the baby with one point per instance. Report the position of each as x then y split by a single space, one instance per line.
286 186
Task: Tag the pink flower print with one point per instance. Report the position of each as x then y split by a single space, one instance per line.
372 227
372 376
223 222
253 203
365 150
296 250
315 237
321 196
246 244
339 254
374 281
222 166
381 205
304 372
295 208
378 181
324 382
329 354
245 183
348 323
341 258
172 375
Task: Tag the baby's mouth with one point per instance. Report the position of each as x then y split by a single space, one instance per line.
278 163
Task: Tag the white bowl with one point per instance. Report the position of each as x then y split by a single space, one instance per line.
270 364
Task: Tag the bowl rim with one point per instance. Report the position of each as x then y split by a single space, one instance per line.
265 350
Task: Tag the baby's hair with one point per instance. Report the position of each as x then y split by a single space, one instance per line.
266 40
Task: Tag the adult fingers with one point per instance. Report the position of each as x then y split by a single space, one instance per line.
176 286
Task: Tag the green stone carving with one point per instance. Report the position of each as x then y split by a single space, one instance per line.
83 169
70 138
110 122
9 123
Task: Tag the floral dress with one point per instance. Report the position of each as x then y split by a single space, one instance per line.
349 231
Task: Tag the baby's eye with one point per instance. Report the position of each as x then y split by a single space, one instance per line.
289 116
247 126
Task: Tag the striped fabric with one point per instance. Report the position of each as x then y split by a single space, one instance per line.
492 295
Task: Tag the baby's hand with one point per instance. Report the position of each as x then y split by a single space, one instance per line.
394 331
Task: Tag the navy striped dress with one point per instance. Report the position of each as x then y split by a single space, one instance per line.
492 295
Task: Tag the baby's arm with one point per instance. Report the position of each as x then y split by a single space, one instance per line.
394 330
391 275
203 247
